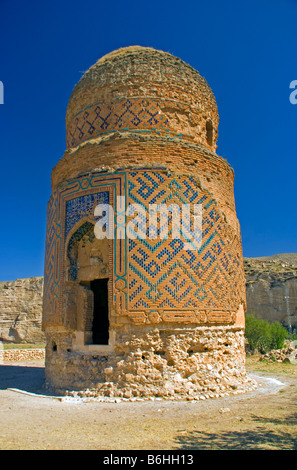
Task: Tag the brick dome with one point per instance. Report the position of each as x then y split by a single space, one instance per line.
142 90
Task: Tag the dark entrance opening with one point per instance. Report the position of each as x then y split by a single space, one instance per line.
100 328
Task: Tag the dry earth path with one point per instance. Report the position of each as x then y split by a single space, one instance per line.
263 419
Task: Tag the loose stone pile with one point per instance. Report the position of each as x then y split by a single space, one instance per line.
287 354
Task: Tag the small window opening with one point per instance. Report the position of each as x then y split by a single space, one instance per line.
100 326
54 347
209 132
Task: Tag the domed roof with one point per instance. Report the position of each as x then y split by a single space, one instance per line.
144 90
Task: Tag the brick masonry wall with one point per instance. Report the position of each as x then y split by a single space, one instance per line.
141 90
143 124
124 150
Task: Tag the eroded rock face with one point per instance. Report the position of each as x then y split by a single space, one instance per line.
271 288
20 310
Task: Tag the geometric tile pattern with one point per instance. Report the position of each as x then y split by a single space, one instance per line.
132 114
79 207
168 279
152 279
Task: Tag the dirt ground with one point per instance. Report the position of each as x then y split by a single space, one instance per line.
263 419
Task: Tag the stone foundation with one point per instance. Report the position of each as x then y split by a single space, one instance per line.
185 363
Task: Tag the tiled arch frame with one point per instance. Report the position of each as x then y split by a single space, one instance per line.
76 200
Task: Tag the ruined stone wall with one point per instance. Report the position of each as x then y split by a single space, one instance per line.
22 355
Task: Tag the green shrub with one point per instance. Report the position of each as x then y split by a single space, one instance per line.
263 335
278 335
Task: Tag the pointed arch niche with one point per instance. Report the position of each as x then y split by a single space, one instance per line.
88 288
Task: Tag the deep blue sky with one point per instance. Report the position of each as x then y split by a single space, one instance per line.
247 51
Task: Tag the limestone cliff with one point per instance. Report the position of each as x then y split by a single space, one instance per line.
271 287
21 310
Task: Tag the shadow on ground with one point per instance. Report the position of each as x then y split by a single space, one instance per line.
259 438
29 379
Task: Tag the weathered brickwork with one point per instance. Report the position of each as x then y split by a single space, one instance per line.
165 96
142 124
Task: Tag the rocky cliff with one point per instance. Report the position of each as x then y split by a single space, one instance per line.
271 286
21 310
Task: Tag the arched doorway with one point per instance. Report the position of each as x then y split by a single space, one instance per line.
87 273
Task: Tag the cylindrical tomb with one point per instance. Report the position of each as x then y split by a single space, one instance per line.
155 305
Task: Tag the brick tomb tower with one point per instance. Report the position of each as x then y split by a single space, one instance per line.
144 315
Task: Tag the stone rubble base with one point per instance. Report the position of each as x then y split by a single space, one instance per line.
91 395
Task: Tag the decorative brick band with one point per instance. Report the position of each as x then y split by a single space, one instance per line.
142 115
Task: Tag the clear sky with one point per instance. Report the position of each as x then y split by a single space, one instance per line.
247 51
